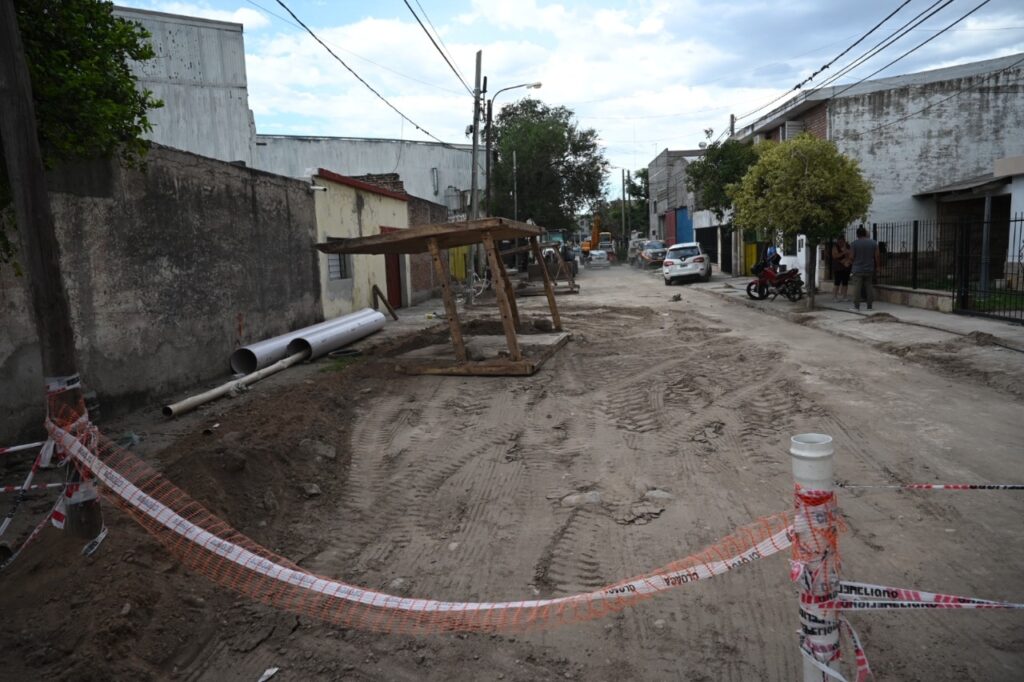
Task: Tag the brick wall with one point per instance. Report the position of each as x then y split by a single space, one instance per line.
421 268
389 181
816 121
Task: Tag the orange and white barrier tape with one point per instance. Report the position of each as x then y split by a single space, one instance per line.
931 486
289 576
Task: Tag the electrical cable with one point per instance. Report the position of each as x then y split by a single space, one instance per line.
828 64
440 39
439 50
368 86
356 55
914 49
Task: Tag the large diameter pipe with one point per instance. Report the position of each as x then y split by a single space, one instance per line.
322 341
254 356
188 404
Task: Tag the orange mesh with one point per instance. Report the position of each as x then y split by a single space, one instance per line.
208 546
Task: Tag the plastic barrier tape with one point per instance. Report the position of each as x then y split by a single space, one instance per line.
853 596
936 486
249 561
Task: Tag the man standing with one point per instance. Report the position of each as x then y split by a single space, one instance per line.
866 262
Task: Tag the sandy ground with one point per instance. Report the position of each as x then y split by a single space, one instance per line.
457 488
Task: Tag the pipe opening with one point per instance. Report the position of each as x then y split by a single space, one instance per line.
299 345
243 361
811 439
168 412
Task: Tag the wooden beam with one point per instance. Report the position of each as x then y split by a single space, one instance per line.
378 295
449 301
556 321
507 321
447 235
509 291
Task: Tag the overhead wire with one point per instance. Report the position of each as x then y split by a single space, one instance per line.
914 49
361 80
439 50
355 54
828 64
439 38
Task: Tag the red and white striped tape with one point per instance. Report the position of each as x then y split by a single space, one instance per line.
853 596
19 448
933 486
247 560
26 488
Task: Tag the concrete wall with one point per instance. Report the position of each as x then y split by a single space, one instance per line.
199 73
955 138
168 271
345 211
667 187
427 169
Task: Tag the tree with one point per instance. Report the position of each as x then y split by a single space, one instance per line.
85 96
723 164
560 170
802 186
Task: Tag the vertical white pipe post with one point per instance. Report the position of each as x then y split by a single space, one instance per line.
812 471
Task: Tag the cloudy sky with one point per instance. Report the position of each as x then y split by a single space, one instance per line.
646 74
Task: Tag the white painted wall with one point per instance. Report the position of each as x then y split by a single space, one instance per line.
428 169
199 73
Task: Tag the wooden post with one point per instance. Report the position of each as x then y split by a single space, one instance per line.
556 321
449 301
509 291
378 296
39 248
498 280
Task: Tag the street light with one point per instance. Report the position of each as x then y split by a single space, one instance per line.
490 136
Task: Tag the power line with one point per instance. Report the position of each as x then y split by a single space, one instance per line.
438 48
357 56
827 65
915 48
360 79
439 38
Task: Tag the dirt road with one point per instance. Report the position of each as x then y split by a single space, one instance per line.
469 489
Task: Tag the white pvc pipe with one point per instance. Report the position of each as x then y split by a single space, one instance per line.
188 404
812 458
248 359
322 341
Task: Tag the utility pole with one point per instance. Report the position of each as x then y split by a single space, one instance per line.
629 209
39 247
732 125
515 192
474 204
487 151
622 204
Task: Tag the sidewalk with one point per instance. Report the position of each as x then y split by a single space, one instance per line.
888 323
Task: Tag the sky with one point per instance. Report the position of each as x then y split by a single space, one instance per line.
645 74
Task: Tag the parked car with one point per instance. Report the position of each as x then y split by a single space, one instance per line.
653 253
685 261
599 259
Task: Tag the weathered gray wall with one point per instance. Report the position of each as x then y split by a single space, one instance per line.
168 271
415 162
199 73
919 136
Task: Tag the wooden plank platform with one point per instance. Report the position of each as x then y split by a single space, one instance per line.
488 367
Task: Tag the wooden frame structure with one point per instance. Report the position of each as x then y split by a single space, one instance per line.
564 269
486 231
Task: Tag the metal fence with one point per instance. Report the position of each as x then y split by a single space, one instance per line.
979 264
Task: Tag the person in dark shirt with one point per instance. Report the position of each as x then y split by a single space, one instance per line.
866 261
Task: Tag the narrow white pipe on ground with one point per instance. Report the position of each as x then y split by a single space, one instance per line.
322 341
812 455
188 404
248 359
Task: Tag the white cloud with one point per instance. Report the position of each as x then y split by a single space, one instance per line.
252 19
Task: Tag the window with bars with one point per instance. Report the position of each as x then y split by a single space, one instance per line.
338 266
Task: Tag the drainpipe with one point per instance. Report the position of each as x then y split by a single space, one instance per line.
986 230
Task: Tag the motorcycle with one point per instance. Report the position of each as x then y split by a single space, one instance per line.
770 282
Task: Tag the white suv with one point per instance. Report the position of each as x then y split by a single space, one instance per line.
685 261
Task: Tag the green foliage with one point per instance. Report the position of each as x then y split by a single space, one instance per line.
86 102
560 168
723 164
801 186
